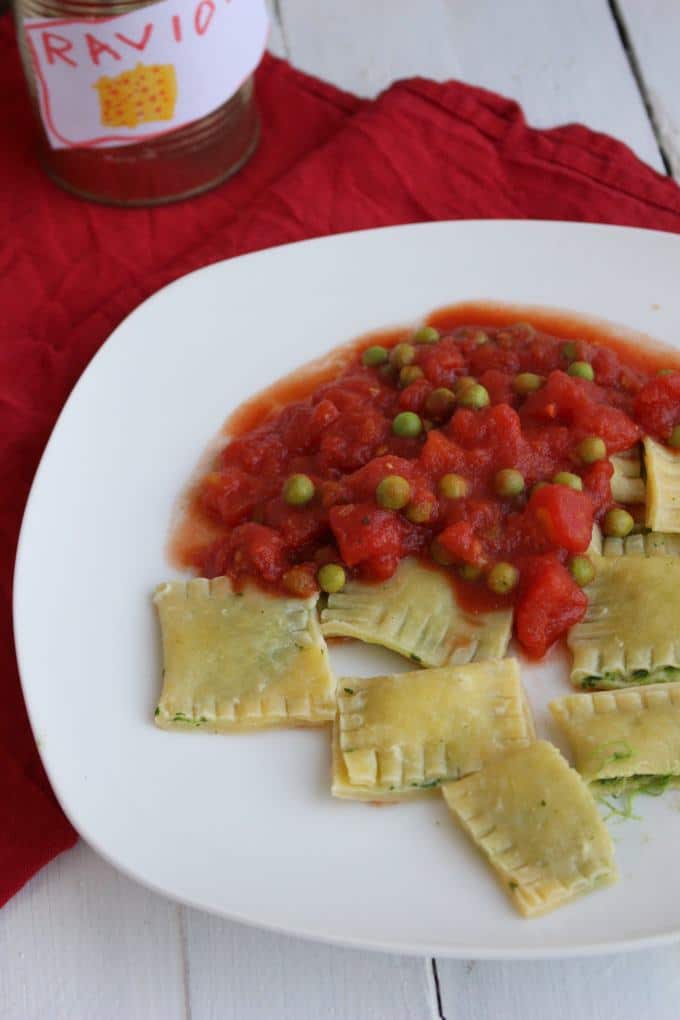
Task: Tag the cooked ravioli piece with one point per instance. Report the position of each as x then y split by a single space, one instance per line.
653 543
397 735
240 661
631 631
623 735
663 487
596 540
416 614
628 485
536 822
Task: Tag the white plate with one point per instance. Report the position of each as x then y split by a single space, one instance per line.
244 825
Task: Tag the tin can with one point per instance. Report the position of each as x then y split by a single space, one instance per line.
140 103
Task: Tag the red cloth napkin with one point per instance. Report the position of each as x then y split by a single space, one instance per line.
328 162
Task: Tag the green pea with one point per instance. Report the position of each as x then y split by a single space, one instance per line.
393 493
453 486
592 449
480 337
618 523
469 572
331 578
407 425
374 356
402 354
298 490
474 396
569 351
582 570
420 512
439 554
508 482
440 403
464 383
526 382
408 374
666 371
426 335
502 578
581 370
298 582
569 479
674 439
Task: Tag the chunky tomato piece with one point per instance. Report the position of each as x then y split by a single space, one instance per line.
297 525
262 453
489 356
440 455
499 386
549 603
351 392
229 495
497 429
597 483
657 406
379 568
353 439
581 405
565 515
412 398
360 486
255 549
441 363
362 532
462 543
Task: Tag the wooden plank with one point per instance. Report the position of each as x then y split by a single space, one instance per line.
562 61
237 971
80 940
653 29
624 986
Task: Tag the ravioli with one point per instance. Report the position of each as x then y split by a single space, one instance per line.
415 613
653 543
397 735
536 822
240 660
631 631
631 735
627 483
663 487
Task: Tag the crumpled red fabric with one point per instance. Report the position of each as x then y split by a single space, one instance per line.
328 162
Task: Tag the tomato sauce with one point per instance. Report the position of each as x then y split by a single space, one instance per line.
334 423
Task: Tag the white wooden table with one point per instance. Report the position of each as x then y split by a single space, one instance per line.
81 942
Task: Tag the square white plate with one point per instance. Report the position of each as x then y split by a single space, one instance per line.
244 825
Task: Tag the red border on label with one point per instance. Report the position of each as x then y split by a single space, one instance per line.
93 143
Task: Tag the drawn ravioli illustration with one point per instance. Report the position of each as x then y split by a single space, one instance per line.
142 95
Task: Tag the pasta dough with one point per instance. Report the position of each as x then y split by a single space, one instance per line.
416 614
240 660
653 543
628 734
536 822
663 487
395 735
627 483
631 631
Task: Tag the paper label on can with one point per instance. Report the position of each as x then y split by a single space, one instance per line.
115 81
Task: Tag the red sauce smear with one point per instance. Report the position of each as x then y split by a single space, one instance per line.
333 422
